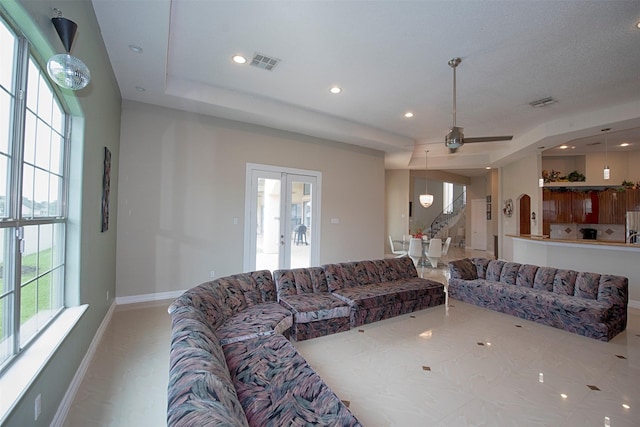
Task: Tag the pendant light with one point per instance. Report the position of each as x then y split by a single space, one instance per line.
606 173
426 199
65 70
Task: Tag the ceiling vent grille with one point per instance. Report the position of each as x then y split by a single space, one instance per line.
543 102
265 62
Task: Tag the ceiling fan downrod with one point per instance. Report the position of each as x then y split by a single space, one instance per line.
453 63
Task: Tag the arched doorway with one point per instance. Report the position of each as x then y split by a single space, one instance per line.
525 214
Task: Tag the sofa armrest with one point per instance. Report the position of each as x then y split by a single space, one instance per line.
614 290
463 269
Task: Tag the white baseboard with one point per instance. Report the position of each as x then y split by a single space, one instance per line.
160 296
634 304
69 396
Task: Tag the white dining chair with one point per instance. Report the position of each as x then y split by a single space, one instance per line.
434 252
397 252
415 250
445 247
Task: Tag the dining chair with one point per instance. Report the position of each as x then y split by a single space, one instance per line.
434 252
445 247
415 250
397 252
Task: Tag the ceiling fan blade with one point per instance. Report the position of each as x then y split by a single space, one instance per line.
489 139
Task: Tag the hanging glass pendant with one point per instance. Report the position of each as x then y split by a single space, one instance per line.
68 71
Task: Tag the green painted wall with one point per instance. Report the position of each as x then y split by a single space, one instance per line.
90 253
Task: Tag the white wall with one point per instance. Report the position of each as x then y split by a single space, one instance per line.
396 204
182 184
517 179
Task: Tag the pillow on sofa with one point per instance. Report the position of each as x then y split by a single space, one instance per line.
463 269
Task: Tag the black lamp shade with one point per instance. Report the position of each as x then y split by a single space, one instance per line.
66 31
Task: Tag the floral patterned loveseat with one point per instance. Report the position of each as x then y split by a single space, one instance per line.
231 365
588 304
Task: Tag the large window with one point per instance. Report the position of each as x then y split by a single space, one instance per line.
33 143
447 197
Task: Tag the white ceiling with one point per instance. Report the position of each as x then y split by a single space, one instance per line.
390 57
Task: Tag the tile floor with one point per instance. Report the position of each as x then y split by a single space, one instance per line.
453 365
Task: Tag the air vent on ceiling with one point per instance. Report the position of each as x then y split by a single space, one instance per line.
543 102
594 143
265 62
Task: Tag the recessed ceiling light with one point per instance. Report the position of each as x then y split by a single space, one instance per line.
135 48
488 168
563 147
625 144
140 89
335 90
625 406
239 59
564 396
638 24
408 114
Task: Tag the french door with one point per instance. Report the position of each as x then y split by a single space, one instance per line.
282 222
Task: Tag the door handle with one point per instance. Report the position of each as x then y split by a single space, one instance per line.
282 240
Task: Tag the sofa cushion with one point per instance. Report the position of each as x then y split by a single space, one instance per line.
564 282
300 281
587 285
396 269
388 293
207 299
199 378
494 269
339 276
481 266
257 286
260 319
313 307
509 273
526 275
544 278
277 387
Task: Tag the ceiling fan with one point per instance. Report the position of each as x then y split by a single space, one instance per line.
455 138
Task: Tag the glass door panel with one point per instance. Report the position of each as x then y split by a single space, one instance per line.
280 216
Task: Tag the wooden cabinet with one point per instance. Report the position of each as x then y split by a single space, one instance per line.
587 207
633 200
613 206
570 207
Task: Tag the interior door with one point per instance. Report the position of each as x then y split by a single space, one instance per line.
282 218
478 224
525 214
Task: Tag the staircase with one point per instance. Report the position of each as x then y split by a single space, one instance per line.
447 218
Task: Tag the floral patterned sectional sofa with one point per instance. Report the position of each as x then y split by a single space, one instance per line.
588 304
231 363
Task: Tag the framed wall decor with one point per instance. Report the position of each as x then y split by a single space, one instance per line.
106 186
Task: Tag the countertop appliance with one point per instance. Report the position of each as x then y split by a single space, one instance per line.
589 233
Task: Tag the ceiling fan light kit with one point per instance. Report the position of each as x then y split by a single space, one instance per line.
455 138
66 70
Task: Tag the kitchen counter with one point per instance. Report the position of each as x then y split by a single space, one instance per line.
545 239
596 256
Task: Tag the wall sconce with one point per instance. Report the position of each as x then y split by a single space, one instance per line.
533 217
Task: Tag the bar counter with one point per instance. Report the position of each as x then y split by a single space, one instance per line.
594 256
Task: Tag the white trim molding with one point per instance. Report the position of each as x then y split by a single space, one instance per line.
160 296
